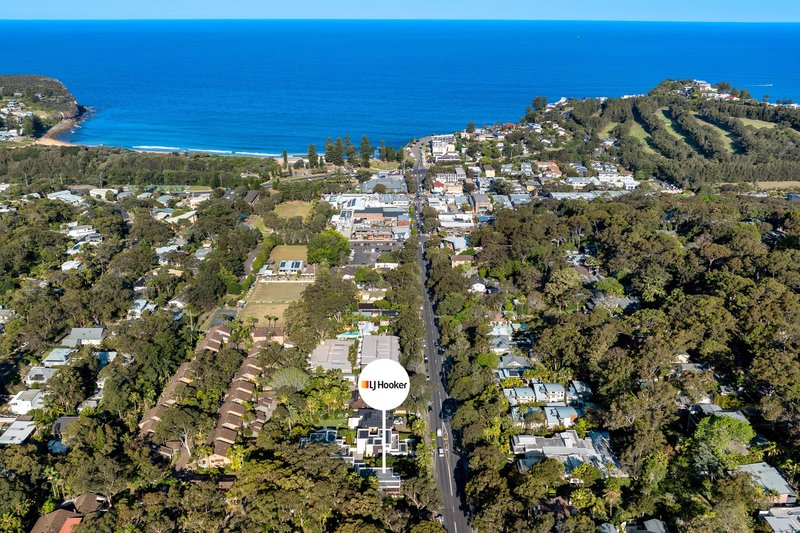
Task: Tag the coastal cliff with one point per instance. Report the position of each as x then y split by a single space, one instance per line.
39 107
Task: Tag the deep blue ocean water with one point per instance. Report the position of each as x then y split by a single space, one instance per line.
265 86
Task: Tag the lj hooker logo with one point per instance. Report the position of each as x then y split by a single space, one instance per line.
384 384
377 385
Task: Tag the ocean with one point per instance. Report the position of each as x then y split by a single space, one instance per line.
265 86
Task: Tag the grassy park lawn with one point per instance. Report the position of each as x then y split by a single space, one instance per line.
293 209
383 165
286 252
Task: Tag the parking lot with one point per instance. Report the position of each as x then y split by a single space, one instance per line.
367 253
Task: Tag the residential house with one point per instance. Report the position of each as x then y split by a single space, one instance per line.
188 216
568 448
612 303
460 260
501 200
549 392
653 525
500 337
332 354
77 232
512 366
483 184
374 347
480 203
164 252
65 196
251 196
518 200
291 267
560 416
66 266
17 432
782 519
216 338
167 400
201 253
102 194
578 392
84 337
779 491
39 375
498 345
369 439
140 308
195 198
58 521
520 395
456 223
6 315
26 401
58 357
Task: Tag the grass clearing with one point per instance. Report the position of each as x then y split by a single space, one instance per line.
271 299
377 164
258 223
295 208
758 124
286 252
778 185
638 132
277 291
727 136
662 115
606 131
261 312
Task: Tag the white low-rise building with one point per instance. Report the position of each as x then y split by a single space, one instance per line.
26 401
17 433
58 357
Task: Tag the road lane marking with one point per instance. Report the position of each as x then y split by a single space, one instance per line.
449 474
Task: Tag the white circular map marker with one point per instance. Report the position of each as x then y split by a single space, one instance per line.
384 385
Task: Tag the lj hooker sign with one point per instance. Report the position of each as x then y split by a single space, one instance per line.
384 384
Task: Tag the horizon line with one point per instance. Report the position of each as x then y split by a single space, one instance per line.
377 19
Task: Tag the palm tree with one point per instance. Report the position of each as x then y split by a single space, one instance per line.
56 482
770 449
612 496
791 468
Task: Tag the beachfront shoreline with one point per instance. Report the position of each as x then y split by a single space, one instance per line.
50 138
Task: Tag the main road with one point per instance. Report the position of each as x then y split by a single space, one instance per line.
446 466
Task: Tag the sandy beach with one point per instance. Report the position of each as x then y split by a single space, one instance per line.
50 138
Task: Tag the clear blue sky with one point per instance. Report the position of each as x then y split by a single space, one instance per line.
677 10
